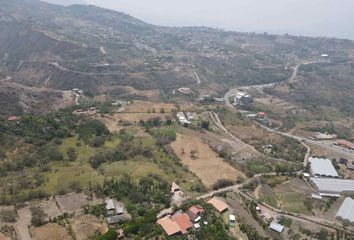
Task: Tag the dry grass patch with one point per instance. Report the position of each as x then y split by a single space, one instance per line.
50 231
144 106
87 226
202 161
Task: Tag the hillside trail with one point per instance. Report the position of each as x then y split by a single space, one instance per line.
23 223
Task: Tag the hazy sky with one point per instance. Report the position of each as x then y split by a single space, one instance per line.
305 17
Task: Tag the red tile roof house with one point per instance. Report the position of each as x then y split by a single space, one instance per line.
183 221
171 228
194 212
178 223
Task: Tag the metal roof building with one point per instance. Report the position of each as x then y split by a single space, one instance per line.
276 227
346 211
332 187
322 167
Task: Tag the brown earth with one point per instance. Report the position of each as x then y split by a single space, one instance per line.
87 226
50 231
4 237
206 164
73 202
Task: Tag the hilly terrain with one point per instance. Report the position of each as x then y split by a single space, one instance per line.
113 128
48 48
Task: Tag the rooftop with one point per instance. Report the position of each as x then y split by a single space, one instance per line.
322 167
182 221
276 227
170 227
195 209
333 187
218 204
346 211
110 204
346 143
174 187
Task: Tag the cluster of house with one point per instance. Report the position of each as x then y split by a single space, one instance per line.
181 222
242 99
325 180
209 98
115 211
185 118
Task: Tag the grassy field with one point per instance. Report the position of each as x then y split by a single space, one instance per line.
268 196
79 173
292 202
289 196
67 176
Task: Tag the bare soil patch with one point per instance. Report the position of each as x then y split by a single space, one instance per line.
50 207
4 237
205 163
73 202
23 222
87 226
50 231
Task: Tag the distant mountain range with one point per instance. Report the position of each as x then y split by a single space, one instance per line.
48 49
66 2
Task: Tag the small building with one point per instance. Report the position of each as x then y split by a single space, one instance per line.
183 221
219 205
12 119
346 211
195 212
175 188
261 115
276 227
345 144
182 118
322 167
115 212
324 136
170 227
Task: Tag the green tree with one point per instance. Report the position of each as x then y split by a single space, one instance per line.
72 155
